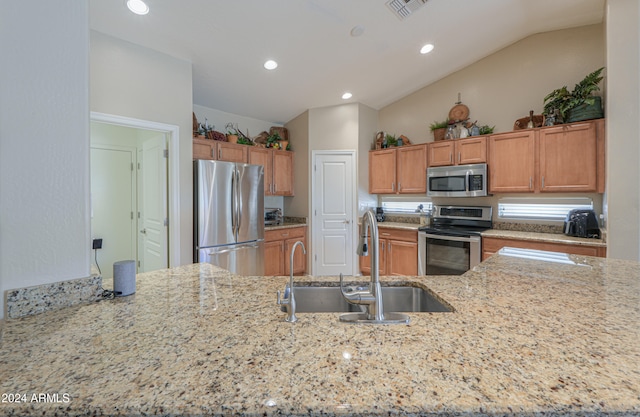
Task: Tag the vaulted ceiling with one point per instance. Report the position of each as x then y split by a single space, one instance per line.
318 57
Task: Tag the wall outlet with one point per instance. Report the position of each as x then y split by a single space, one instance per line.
97 243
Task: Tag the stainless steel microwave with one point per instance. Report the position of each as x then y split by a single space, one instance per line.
457 181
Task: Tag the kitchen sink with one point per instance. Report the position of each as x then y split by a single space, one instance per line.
311 299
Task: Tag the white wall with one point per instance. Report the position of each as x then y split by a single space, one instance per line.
504 86
44 146
623 129
220 119
139 83
368 126
299 134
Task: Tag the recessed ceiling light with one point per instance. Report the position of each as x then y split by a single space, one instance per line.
347 96
426 48
271 64
138 7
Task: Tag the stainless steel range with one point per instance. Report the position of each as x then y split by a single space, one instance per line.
452 245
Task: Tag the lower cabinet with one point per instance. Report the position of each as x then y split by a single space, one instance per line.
491 245
398 254
277 251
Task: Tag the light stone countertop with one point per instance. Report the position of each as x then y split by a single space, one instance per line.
527 337
399 225
285 225
543 237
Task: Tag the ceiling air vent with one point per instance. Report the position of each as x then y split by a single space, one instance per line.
404 8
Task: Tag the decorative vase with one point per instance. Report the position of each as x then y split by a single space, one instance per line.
283 144
232 138
586 111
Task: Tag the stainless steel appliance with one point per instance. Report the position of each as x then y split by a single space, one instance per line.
272 216
228 219
452 245
457 181
582 223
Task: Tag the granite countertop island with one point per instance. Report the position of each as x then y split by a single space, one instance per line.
527 337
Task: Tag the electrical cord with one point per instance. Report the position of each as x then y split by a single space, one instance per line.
96 259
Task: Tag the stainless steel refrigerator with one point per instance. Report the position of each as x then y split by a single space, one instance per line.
229 215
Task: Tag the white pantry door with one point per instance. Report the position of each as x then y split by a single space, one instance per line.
333 208
153 230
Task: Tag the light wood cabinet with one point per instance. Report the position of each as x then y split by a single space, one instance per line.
471 151
278 170
512 162
398 253
204 149
283 173
264 157
401 170
277 251
411 169
563 158
458 152
382 171
568 158
220 151
491 245
232 152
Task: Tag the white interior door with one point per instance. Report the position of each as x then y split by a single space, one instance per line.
113 202
152 225
333 225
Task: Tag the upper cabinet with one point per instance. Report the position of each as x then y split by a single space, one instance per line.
278 165
568 158
232 152
458 152
278 170
512 162
401 170
562 158
219 151
204 149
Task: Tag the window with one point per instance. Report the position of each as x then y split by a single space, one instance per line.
550 209
403 205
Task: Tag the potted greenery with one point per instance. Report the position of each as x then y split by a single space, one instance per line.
391 140
439 129
486 129
579 104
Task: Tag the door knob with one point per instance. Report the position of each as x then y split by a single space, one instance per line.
347 221
143 231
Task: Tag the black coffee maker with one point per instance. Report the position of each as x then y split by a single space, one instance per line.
582 223
379 214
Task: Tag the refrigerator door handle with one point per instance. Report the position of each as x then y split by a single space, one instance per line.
234 210
239 205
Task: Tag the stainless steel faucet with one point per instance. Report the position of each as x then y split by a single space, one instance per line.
371 297
290 301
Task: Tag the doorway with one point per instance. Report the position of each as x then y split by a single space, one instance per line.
333 207
133 204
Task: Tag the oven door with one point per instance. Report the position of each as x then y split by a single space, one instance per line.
447 255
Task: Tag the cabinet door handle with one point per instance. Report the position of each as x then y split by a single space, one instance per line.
451 157
543 182
219 153
399 186
393 186
530 183
459 157
384 234
213 153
